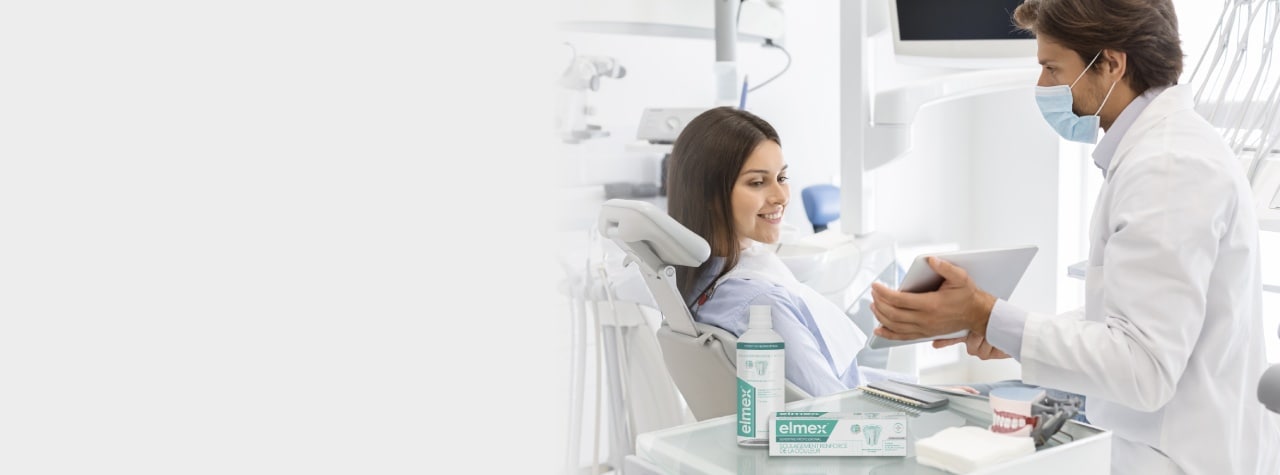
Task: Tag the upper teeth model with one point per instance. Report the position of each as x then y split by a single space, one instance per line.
1011 409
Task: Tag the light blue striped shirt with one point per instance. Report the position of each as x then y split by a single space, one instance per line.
808 361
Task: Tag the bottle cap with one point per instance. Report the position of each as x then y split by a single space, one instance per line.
761 317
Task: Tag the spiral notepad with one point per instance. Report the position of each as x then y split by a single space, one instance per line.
903 395
890 401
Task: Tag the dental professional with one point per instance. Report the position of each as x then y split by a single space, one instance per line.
727 182
1169 346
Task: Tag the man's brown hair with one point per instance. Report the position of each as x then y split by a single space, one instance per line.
1146 30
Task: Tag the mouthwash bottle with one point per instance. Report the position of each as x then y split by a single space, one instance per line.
761 381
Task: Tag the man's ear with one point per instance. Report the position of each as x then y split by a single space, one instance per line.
1114 63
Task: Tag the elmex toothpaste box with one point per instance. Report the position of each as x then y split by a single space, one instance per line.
855 434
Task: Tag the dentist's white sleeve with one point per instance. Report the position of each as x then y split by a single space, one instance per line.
1007 323
1004 328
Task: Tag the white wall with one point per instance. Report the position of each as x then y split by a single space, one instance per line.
980 175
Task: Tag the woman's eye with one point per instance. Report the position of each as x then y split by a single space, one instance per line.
783 179
756 183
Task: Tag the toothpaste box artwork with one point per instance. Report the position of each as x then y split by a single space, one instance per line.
839 434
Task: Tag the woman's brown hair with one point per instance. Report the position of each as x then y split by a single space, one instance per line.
701 171
1146 30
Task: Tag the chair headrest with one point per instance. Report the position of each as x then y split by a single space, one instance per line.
630 223
821 203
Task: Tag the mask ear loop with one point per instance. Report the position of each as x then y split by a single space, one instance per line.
1109 90
1108 96
1086 69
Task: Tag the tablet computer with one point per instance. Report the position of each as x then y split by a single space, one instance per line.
996 271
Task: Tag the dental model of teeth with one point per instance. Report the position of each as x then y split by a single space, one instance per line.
1011 410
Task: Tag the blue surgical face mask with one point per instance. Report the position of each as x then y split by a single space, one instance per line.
1055 105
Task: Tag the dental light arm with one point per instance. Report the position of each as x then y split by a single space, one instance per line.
895 109
584 72
582 77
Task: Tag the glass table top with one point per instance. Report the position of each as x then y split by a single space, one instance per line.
710 446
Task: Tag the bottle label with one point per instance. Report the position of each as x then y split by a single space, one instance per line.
761 387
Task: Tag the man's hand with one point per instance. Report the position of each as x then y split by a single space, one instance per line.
958 305
975 344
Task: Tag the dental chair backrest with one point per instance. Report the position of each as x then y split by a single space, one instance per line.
701 358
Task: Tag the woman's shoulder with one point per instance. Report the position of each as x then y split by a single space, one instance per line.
740 287
735 294
727 306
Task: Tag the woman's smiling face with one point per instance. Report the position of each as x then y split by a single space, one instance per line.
760 195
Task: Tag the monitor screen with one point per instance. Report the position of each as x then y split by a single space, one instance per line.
959 30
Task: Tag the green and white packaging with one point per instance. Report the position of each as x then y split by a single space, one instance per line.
856 434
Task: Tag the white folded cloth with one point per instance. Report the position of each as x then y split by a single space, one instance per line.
969 448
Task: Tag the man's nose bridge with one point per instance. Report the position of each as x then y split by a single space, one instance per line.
1046 79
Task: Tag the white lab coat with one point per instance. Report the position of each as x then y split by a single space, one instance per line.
1171 345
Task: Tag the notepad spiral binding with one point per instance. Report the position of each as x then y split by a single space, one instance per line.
908 405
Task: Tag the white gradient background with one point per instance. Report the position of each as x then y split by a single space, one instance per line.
276 237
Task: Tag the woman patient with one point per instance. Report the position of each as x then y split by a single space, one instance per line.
727 182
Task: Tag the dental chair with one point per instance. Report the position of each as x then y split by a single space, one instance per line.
1269 389
821 205
701 358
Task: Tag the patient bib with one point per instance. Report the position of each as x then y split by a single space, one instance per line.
842 338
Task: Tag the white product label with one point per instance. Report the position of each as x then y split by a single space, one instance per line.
761 387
